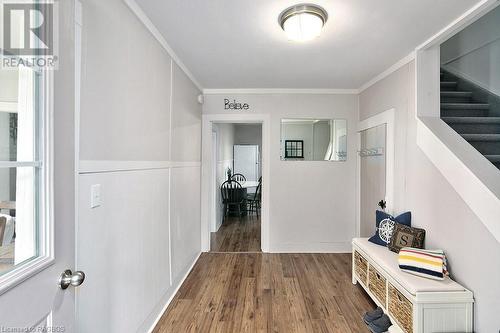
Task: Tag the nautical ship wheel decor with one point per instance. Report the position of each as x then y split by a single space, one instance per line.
385 229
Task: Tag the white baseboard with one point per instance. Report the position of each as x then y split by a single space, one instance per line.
218 225
167 303
327 247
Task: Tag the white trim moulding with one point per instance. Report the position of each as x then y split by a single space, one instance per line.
8 107
270 91
409 58
87 166
317 247
258 91
137 10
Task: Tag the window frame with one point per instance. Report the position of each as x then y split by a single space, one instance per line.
294 149
44 136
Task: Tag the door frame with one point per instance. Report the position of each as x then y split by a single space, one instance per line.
213 199
207 190
387 118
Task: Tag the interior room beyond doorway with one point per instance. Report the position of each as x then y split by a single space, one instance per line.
237 185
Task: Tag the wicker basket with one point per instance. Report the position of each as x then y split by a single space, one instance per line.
401 309
360 267
377 285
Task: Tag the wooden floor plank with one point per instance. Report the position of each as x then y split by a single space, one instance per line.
237 235
260 292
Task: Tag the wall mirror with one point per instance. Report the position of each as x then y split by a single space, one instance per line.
313 139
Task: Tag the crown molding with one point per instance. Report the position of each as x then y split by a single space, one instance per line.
136 9
464 20
270 91
410 57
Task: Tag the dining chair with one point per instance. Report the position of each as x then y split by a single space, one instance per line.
232 196
254 199
239 178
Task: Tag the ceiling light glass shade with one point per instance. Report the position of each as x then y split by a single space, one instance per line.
303 22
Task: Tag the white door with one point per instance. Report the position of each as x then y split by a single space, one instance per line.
37 192
246 161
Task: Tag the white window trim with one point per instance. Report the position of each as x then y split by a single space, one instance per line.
45 220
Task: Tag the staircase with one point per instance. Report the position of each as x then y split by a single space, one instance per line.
470 114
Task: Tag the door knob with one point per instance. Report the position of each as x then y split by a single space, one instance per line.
68 278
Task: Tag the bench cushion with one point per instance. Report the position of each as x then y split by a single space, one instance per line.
388 261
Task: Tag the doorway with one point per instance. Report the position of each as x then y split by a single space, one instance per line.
375 168
237 187
372 175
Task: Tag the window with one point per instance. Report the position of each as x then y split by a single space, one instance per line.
24 219
294 149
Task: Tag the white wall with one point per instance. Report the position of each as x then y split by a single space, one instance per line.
435 206
312 204
474 53
138 108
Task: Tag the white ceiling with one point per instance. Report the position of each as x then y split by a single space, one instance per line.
236 44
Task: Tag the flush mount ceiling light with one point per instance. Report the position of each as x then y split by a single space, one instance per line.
303 22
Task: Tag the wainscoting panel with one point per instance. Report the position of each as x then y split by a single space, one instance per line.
124 249
185 225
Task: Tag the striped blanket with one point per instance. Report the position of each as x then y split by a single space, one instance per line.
426 263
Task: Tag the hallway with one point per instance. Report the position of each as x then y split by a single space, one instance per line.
237 235
250 166
268 293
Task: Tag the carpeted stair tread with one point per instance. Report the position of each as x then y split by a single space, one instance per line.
493 158
482 137
465 106
471 120
456 93
468 113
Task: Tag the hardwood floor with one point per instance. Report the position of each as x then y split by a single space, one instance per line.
237 235
256 292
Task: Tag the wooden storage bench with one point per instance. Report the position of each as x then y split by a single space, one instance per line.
414 304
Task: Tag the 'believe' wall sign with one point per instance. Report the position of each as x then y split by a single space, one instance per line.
228 105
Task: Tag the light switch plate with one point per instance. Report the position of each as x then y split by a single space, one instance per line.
95 195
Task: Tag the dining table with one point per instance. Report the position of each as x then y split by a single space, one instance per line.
245 185
249 184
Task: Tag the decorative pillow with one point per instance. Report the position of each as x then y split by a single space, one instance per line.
404 236
426 263
385 226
